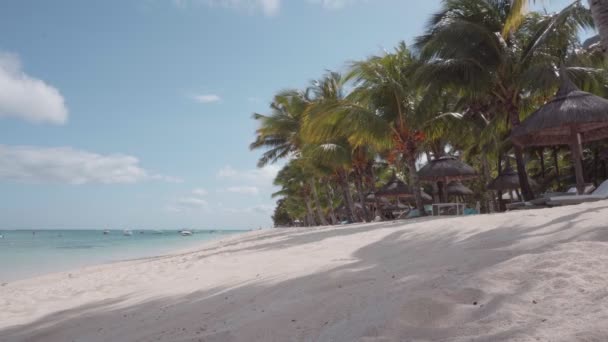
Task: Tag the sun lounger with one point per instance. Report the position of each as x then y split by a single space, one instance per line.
544 200
599 194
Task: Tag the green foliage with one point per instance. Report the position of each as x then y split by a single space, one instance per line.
479 68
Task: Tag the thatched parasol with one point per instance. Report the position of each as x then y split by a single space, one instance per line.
508 180
573 117
395 188
458 189
446 169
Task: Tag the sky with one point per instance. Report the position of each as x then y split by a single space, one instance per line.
137 113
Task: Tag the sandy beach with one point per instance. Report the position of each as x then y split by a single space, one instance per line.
537 275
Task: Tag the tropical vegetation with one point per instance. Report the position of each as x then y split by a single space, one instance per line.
479 68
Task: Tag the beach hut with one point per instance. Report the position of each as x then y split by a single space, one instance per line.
456 188
444 170
573 117
508 181
396 188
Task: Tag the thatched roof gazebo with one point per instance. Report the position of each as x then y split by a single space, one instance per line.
572 117
456 188
395 188
446 169
508 180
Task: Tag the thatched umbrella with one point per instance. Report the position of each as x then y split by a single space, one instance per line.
395 188
456 188
572 118
508 180
446 169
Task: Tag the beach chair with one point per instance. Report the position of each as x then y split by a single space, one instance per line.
542 201
599 194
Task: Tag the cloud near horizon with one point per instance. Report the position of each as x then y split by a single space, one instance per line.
200 192
207 98
244 190
28 98
269 8
263 176
32 164
333 4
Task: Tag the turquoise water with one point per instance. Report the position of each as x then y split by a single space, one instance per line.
26 253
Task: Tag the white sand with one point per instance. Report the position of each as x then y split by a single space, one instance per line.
523 276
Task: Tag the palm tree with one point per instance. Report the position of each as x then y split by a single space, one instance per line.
599 12
388 115
329 150
294 184
280 134
476 46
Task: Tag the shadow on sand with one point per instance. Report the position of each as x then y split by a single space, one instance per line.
369 290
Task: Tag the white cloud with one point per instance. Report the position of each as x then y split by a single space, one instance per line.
192 202
26 97
187 203
200 192
31 164
207 98
267 7
244 190
261 209
333 4
259 176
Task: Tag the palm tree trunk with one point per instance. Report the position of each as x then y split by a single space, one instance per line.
599 11
556 162
359 186
542 162
488 196
415 182
315 196
376 199
310 217
524 184
501 202
332 213
348 197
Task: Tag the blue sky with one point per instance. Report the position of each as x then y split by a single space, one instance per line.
137 113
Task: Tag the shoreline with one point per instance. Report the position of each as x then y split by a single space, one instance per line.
124 257
521 275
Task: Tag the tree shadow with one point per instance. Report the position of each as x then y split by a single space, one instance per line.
409 285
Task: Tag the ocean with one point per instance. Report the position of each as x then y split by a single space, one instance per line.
27 253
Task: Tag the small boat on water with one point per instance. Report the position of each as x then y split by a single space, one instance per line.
186 232
106 232
127 232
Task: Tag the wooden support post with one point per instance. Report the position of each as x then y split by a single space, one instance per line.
576 148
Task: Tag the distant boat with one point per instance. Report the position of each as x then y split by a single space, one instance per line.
127 232
157 231
106 232
1 236
185 233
